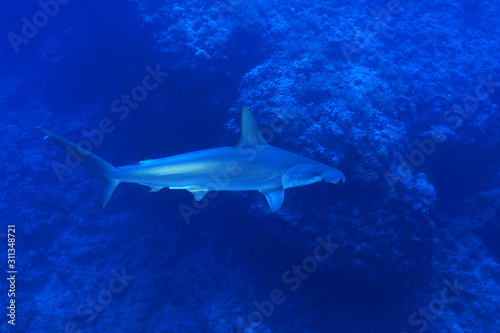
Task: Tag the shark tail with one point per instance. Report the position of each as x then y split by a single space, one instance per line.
105 173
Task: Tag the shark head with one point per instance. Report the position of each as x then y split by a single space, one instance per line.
310 173
332 175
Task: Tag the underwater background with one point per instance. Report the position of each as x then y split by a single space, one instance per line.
401 96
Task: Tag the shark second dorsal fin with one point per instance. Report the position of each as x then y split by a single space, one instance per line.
250 133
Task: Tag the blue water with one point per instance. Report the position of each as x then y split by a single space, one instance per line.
402 97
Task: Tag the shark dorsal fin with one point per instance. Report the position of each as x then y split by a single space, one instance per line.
250 133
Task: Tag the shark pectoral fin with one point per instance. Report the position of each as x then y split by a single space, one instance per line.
274 196
198 193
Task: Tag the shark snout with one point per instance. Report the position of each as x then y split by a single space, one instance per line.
340 181
335 176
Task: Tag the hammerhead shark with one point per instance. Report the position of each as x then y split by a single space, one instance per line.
251 164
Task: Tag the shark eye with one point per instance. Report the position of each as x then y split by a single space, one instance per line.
341 181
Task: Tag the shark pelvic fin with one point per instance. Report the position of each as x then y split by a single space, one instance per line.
198 193
274 196
250 133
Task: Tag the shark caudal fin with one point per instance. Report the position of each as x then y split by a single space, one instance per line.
102 170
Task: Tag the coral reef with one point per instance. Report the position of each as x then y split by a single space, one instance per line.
401 96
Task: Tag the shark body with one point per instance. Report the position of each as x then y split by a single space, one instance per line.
251 164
